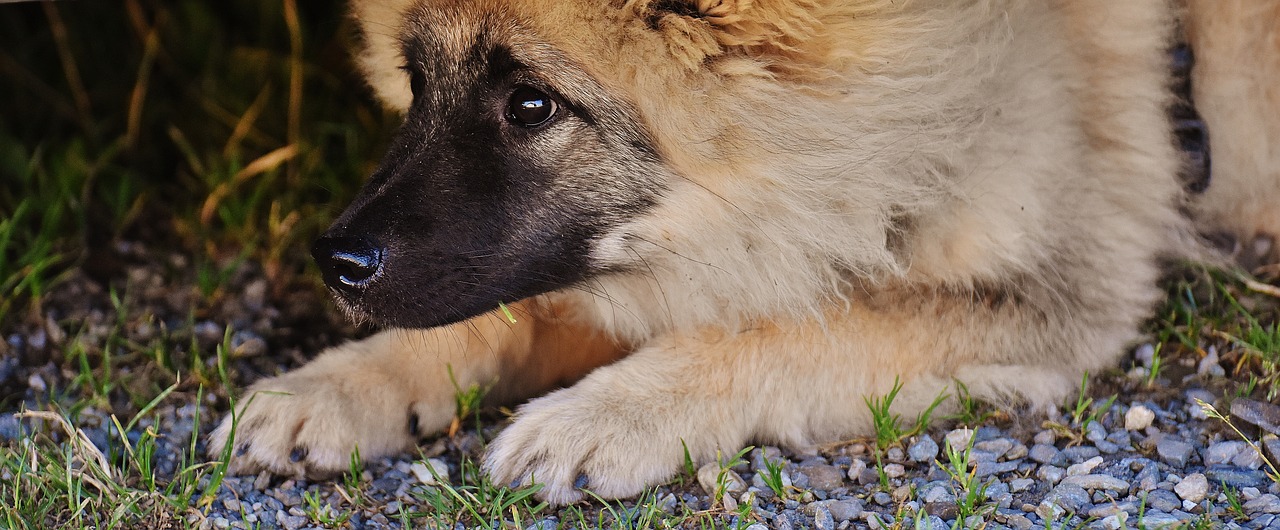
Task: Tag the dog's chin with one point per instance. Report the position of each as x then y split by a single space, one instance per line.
411 313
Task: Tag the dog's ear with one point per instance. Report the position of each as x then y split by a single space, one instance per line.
698 29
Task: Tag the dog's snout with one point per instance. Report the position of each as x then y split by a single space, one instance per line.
347 263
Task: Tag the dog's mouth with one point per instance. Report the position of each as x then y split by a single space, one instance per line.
421 286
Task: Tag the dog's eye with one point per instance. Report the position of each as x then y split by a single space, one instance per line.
416 79
529 107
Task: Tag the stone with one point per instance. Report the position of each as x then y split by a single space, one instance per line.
1193 487
1080 453
823 477
1097 482
1069 497
1094 432
1160 520
1045 437
1173 451
551 524
894 470
1265 415
1209 366
424 474
856 467
1138 417
709 478
822 519
1019 485
1145 354
1222 452
986 469
844 510
1236 477
1163 500
998 446
1050 474
1044 454
1248 459
1084 468
1268 503
959 439
925 450
1114 522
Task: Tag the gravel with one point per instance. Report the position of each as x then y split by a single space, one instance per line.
1154 456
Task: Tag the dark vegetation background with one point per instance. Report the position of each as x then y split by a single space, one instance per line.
230 129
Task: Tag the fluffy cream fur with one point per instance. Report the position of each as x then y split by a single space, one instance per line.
864 190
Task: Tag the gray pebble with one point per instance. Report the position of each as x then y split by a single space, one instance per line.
291 522
1045 437
844 510
1095 431
958 439
1248 459
547 524
1114 522
986 469
924 450
894 470
938 494
1173 451
1069 497
1084 468
1044 454
1268 503
1145 354
1236 477
1019 485
1097 482
1080 453
1106 447
1163 500
855 470
1193 488
824 477
1050 474
1018 452
822 519
1018 521
1222 452
998 446
1154 519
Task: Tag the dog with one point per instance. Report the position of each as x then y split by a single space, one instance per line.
690 225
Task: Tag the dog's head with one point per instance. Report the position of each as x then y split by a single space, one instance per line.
528 140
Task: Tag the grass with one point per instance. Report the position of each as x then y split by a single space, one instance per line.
888 425
228 134
969 490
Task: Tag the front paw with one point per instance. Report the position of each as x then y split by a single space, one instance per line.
577 439
310 424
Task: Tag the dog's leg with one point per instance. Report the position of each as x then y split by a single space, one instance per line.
381 393
1236 83
625 427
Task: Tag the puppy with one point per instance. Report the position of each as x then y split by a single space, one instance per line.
722 222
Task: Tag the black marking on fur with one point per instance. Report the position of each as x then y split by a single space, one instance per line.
297 454
582 481
1189 128
413 424
242 450
662 8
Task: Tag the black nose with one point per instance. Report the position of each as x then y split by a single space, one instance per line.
347 263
